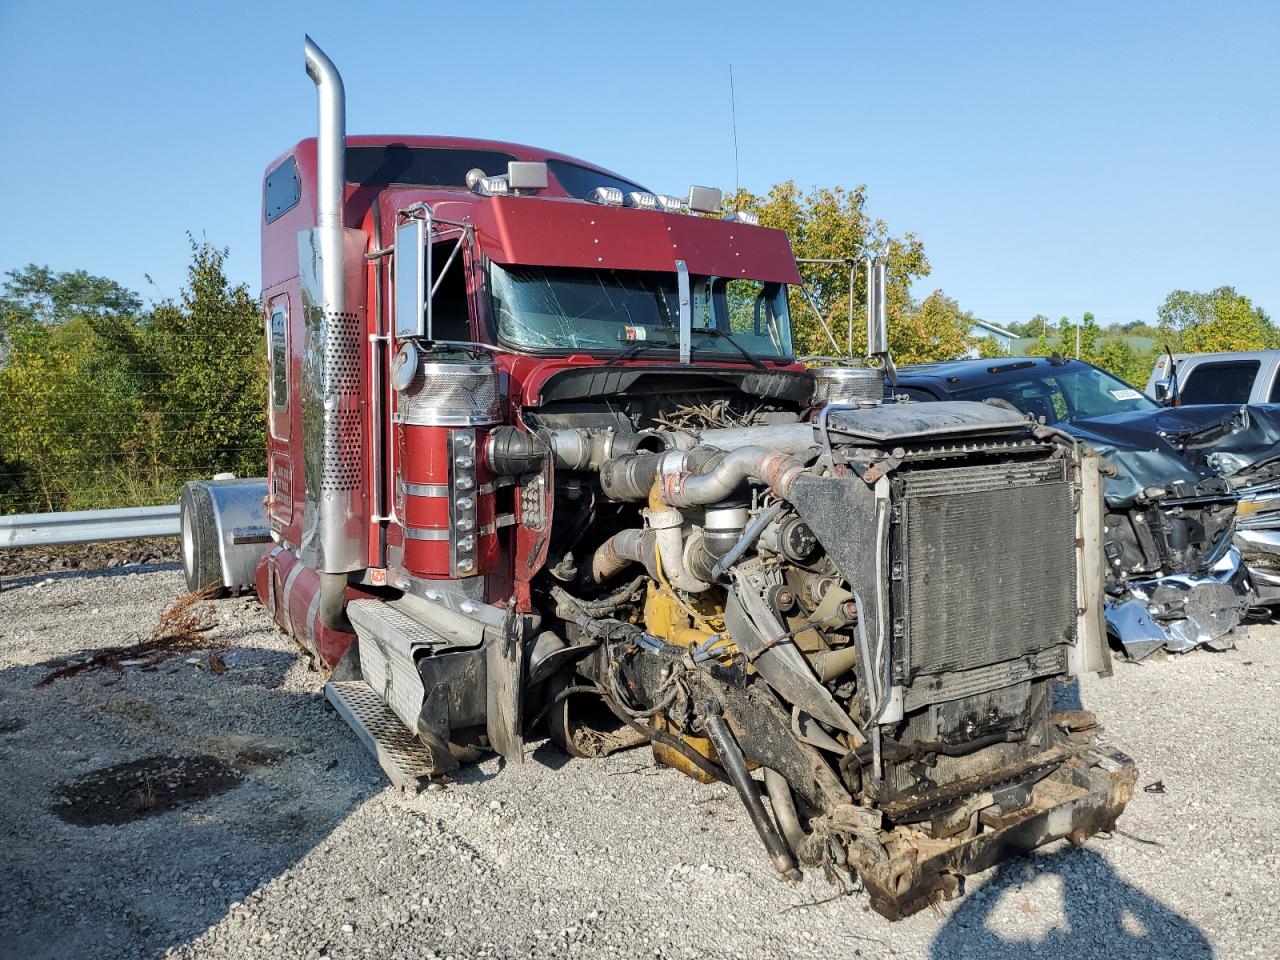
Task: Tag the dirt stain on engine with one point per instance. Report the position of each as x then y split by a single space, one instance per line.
141 788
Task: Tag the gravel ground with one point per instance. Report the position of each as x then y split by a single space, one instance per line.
301 850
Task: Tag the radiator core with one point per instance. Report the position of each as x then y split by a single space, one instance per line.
988 565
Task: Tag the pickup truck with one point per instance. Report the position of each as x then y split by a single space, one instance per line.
1246 376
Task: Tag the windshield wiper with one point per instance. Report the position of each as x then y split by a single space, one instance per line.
636 347
755 361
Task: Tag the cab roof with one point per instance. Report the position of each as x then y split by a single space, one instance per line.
555 227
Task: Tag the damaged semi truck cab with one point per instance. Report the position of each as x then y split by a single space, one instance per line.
541 457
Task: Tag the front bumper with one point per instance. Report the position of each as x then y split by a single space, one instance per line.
1082 797
1180 612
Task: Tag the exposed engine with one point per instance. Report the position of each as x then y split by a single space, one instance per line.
870 606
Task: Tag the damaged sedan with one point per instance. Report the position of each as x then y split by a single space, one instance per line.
1176 578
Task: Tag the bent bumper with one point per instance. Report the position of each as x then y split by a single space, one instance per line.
1181 612
1082 797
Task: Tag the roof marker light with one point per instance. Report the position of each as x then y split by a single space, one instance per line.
487 186
606 196
743 216
642 200
670 204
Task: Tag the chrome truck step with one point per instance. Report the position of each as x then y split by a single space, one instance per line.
384 701
403 757
387 637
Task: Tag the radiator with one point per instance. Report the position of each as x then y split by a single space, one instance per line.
986 566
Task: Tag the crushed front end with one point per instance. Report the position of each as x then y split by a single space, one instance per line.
871 610
1175 580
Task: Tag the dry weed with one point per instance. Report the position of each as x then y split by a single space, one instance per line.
179 630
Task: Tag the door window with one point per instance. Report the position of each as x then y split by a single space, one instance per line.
278 360
1224 381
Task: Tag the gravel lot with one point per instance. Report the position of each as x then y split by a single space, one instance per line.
305 852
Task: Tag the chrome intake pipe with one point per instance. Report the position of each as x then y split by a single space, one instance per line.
684 488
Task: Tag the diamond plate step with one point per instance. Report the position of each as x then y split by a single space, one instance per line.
402 756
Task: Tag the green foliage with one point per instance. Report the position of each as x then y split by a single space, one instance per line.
1217 321
831 223
989 348
1106 348
110 403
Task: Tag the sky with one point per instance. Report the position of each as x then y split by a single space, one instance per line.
1054 158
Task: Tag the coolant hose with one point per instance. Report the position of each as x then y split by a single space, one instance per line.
736 767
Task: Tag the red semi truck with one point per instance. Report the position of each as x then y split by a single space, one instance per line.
541 458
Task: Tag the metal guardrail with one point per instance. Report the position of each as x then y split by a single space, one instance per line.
87 526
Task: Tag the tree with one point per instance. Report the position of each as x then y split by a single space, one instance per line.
989 348
209 349
831 223
37 294
107 403
1219 320
936 329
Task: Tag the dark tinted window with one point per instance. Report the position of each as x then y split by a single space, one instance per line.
1275 391
420 166
282 190
1228 381
578 181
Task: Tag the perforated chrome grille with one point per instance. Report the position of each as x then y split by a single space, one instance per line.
342 448
341 353
451 395
847 385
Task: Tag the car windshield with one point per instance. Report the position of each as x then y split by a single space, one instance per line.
608 310
1063 394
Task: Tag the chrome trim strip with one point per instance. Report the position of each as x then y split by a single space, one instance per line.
447 420
420 533
425 489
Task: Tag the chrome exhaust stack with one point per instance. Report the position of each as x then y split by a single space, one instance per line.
331 141
335 533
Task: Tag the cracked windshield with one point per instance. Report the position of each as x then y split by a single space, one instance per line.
566 308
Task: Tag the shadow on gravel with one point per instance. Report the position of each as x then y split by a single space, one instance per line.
1104 917
138 807
30 580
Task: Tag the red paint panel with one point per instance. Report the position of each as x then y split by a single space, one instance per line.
427 558
424 454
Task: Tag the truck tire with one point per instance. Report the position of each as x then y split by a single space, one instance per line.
199 534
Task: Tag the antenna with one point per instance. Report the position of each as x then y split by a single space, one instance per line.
733 112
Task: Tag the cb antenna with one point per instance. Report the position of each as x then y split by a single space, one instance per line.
733 113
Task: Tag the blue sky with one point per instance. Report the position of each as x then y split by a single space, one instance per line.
1053 158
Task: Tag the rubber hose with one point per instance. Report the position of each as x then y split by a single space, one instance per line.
734 764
